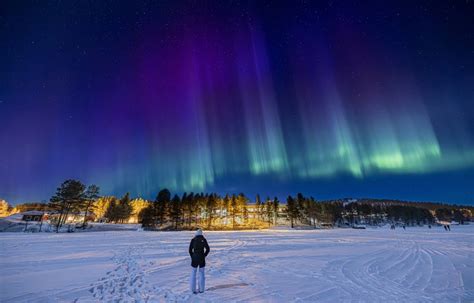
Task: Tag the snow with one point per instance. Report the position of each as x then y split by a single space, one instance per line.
372 265
14 223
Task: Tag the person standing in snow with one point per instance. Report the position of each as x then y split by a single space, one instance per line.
198 250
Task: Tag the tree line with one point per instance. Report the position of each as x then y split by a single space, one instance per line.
234 211
207 210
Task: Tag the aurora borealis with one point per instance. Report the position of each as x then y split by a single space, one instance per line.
333 100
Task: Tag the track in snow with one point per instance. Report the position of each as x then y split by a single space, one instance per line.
373 265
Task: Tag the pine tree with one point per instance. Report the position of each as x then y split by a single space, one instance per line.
69 197
233 209
221 206
198 206
162 202
211 204
313 211
458 216
124 208
242 203
263 208
191 208
301 208
227 206
258 203
269 211
276 205
291 210
112 211
176 211
109 214
91 195
147 217
184 208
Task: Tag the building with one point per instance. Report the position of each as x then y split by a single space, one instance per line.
32 216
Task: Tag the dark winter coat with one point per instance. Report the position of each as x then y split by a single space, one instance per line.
198 250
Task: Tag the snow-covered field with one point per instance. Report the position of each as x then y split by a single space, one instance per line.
340 265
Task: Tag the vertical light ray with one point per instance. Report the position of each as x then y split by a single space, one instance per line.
210 114
265 144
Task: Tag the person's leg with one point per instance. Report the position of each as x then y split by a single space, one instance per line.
202 279
192 280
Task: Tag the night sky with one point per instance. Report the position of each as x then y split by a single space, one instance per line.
333 100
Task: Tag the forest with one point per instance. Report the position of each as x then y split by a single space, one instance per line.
233 211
